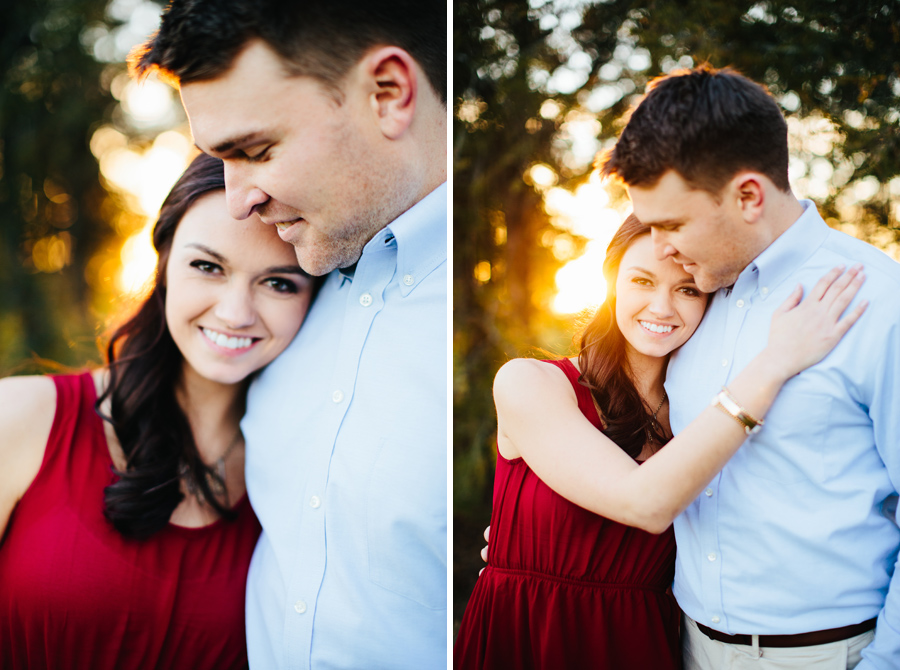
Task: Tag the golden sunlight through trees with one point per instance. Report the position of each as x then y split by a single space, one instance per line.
586 213
142 175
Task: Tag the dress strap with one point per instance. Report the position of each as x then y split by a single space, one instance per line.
582 393
76 451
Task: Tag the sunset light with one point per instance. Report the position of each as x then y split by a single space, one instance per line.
586 213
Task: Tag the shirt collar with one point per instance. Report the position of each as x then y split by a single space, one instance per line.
420 236
791 249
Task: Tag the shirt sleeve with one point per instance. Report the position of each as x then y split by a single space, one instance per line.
884 651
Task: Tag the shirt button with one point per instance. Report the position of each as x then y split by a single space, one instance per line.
314 502
408 280
299 607
337 396
711 557
764 290
715 619
708 493
365 299
739 303
724 362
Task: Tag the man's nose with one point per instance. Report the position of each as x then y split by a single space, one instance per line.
241 196
661 247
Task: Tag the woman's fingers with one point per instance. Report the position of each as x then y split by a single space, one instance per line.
851 317
484 550
792 300
839 285
841 300
818 291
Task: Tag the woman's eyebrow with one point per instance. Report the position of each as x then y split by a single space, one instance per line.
287 269
205 249
638 268
275 269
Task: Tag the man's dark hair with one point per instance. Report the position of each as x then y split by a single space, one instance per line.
705 124
323 39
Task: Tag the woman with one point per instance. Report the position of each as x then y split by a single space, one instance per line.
128 538
582 552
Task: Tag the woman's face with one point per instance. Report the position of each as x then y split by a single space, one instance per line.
658 305
235 296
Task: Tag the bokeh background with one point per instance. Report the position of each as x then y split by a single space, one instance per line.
86 158
540 87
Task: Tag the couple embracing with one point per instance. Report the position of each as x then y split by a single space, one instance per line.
769 346
126 528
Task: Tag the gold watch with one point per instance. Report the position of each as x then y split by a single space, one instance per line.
725 402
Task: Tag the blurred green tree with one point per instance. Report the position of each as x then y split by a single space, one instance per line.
50 194
524 70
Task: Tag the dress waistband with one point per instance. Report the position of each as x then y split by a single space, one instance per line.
516 572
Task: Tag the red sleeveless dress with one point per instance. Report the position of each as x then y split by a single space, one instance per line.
567 588
76 594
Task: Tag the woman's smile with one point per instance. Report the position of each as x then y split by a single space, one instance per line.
232 344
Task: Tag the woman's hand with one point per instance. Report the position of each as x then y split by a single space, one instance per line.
484 550
804 332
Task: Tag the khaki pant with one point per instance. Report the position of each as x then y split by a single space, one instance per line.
701 653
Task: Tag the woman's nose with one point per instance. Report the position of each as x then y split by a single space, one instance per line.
235 307
661 305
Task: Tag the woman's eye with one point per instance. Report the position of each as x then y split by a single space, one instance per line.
281 285
206 266
641 281
694 293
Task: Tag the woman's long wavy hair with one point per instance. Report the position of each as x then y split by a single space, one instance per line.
627 420
144 367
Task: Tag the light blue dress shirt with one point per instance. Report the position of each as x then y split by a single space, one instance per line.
346 466
798 533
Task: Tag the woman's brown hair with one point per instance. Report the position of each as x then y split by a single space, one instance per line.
627 420
144 364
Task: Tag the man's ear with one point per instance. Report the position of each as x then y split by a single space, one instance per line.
393 89
750 190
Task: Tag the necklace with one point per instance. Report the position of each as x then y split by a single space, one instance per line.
654 423
214 474
659 406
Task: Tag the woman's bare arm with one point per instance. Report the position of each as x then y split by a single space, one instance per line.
27 409
538 418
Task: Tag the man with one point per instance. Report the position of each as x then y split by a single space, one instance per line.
789 556
331 120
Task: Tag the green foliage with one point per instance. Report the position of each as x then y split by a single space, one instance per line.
50 195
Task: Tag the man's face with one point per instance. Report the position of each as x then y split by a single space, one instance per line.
297 157
688 225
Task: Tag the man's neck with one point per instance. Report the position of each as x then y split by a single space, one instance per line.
784 210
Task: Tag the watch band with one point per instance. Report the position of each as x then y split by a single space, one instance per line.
725 402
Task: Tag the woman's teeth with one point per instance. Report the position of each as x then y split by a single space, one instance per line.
228 342
284 225
653 328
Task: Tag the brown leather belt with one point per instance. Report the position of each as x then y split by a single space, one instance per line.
798 640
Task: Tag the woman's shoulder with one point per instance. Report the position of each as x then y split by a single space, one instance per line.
26 403
521 378
27 410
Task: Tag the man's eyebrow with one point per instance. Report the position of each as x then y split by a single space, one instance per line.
664 223
231 143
